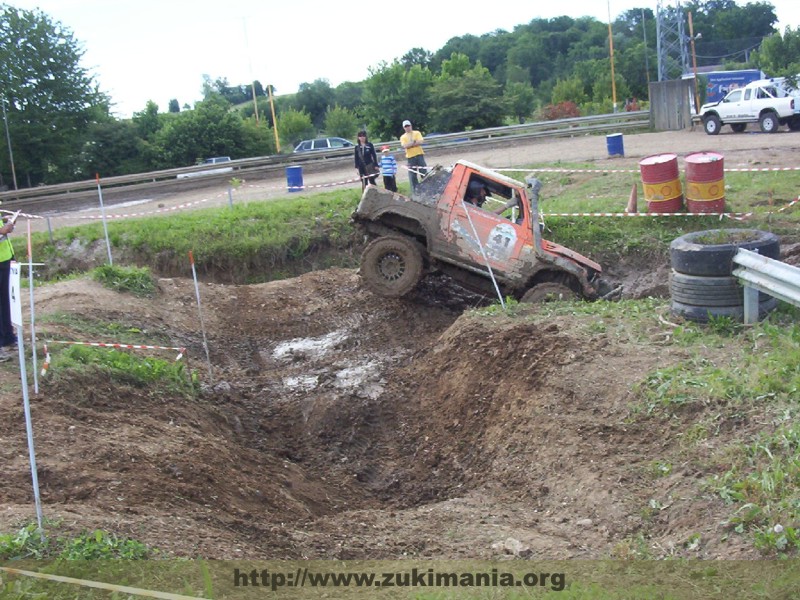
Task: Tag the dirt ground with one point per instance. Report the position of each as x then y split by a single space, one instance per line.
339 425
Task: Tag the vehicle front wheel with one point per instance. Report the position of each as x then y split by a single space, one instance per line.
769 122
794 124
391 266
712 124
549 292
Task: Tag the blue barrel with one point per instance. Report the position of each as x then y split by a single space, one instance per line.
294 178
615 145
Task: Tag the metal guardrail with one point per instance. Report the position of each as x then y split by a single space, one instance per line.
241 167
762 274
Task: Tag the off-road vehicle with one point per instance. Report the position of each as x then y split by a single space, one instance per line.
492 247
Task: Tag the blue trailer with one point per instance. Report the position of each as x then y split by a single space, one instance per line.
719 83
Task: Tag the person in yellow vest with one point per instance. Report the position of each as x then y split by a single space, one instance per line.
412 140
7 336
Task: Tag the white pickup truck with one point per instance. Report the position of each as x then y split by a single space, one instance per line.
768 102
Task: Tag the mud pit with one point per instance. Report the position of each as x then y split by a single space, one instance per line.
338 426
342 426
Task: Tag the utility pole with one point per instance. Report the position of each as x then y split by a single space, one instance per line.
10 151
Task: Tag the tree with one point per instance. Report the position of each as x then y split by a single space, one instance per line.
211 129
293 127
50 99
417 56
779 55
520 100
341 122
392 94
174 107
315 99
471 101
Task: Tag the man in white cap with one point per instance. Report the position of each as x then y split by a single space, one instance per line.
412 140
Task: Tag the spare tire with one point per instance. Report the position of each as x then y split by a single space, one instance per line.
710 253
708 291
703 313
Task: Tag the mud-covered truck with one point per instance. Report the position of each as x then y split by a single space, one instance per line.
767 102
491 245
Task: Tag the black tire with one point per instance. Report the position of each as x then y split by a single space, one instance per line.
712 124
769 122
794 124
391 266
702 314
707 291
738 127
692 255
549 291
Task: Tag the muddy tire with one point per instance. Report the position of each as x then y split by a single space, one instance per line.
391 266
692 255
549 292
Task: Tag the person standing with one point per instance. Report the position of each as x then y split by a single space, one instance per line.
366 160
388 169
7 336
412 140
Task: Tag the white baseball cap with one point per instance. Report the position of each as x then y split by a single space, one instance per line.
406 122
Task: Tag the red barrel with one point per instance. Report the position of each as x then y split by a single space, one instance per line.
705 182
662 184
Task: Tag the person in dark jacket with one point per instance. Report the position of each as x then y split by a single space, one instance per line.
366 160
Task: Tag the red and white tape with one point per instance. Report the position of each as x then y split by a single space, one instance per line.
46 365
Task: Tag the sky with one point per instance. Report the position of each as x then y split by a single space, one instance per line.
160 49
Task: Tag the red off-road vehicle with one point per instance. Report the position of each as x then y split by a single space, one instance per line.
494 246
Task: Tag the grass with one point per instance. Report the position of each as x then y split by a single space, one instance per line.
733 372
153 374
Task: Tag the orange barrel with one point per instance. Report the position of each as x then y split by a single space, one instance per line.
705 182
662 184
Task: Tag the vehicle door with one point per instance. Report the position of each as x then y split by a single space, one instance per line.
733 106
496 232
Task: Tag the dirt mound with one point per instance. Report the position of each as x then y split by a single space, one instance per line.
336 424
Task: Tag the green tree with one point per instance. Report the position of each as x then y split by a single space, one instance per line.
520 100
315 99
113 148
393 93
258 138
211 129
50 100
341 122
569 90
779 55
293 127
174 107
471 101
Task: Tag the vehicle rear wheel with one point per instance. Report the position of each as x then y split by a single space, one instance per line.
391 266
738 127
549 291
712 124
794 124
769 122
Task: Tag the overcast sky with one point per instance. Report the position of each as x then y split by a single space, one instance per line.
160 49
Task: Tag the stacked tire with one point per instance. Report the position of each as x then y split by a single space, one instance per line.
701 282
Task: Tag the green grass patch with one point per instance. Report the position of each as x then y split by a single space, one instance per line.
124 367
31 543
763 486
137 281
